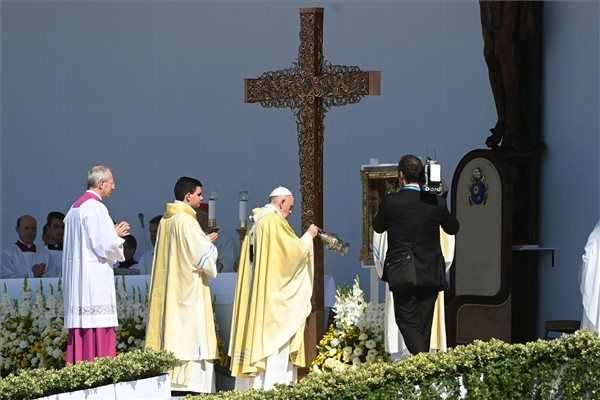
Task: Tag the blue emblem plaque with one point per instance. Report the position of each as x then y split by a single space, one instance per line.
478 191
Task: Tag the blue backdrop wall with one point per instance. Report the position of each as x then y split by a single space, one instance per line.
155 90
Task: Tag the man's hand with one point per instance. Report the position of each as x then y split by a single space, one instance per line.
38 270
122 229
313 230
213 236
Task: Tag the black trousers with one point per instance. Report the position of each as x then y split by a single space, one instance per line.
413 310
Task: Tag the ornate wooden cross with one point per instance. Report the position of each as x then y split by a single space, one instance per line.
310 88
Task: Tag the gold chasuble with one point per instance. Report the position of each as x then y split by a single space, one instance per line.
180 314
272 296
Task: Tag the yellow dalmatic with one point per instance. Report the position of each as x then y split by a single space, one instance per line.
272 296
180 313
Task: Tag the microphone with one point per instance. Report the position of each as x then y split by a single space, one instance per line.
141 218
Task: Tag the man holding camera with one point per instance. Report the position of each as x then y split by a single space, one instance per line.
414 266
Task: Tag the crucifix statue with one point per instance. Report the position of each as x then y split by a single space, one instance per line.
310 88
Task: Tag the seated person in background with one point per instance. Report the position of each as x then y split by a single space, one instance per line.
45 235
145 264
55 230
22 259
129 247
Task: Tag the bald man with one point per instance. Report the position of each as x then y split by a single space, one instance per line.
23 259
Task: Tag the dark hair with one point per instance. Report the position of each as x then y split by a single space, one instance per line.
155 220
130 242
45 230
184 186
54 215
412 168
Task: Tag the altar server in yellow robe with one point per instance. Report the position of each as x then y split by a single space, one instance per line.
272 298
180 314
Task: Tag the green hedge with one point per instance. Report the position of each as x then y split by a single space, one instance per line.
566 368
133 365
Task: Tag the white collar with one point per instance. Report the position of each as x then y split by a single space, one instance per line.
272 207
412 186
184 204
29 246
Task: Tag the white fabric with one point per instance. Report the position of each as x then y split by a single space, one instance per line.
54 266
200 376
393 340
144 265
280 191
91 246
278 370
18 264
451 249
590 282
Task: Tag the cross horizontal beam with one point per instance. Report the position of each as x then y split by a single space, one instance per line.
292 89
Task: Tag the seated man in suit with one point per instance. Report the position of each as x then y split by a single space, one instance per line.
412 220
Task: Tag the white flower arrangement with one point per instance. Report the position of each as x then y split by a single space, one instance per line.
355 337
33 334
132 313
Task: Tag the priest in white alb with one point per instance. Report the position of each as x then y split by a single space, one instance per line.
24 259
393 340
272 298
590 282
180 313
92 244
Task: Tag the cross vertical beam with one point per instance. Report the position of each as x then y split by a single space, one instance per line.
310 148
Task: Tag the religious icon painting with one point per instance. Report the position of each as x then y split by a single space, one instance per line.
377 181
478 190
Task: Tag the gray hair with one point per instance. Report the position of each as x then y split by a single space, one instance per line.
97 174
277 199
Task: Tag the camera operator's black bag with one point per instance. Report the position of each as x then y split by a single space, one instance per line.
403 271
399 269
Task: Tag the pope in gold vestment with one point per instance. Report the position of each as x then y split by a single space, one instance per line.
272 297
